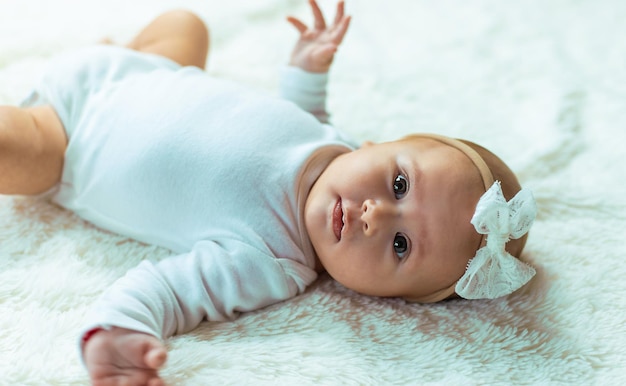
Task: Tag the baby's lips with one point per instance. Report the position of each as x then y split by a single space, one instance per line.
337 219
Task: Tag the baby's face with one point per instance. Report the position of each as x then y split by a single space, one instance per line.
393 219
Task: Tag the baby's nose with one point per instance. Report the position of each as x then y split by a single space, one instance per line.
376 215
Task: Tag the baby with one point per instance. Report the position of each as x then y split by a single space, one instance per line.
255 195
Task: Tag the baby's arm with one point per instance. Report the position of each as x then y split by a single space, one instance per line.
155 301
304 81
315 50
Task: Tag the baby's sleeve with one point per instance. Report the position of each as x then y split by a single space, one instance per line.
305 89
211 282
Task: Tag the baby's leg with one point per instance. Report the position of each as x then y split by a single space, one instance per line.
178 35
32 149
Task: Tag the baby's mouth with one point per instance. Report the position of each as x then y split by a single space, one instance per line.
338 219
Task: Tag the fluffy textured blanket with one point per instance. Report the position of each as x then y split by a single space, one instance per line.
540 83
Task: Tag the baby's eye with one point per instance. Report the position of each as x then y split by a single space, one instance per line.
400 186
401 245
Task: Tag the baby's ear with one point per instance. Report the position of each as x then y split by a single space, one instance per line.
367 144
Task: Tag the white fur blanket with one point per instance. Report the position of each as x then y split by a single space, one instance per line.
541 83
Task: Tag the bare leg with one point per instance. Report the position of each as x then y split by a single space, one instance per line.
178 35
32 149
33 140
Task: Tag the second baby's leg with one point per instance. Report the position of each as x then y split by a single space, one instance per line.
32 149
178 35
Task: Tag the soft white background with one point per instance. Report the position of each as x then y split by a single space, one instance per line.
541 83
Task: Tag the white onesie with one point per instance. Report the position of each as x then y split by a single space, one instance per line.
218 173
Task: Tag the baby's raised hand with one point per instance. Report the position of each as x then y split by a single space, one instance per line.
316 47
124 357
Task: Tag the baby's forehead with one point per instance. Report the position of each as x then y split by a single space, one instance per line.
452 161
425 146
423 142
473 158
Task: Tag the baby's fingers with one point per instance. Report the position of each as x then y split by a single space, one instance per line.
340 11
155 357
154 354
300 26
320 24
340 31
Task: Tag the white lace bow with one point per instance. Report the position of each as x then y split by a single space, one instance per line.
493 272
